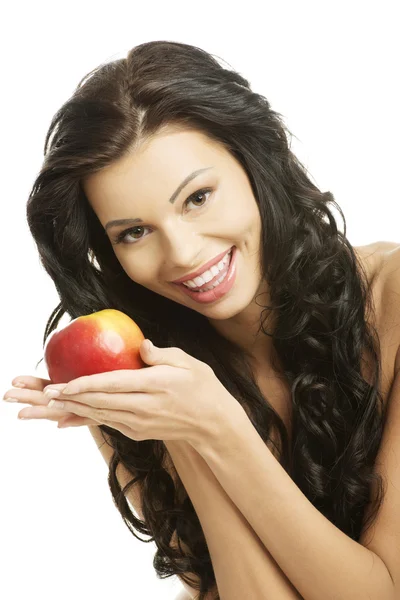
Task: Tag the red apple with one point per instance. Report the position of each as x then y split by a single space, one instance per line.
106 340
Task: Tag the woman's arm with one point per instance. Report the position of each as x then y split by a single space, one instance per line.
309 548
243 567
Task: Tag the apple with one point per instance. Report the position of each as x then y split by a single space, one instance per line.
106 340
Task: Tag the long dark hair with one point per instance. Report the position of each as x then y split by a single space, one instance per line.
319 292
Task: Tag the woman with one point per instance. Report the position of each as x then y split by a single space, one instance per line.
294 336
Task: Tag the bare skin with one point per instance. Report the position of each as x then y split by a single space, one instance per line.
374 259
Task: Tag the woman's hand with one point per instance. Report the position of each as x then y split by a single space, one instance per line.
176 398
32 393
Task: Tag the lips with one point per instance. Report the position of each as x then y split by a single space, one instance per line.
205 267
219 291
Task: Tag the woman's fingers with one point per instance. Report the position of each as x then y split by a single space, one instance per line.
27 396
34 383
33 394
54 414
42 412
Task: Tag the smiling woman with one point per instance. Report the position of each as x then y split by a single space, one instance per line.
181 242
180 150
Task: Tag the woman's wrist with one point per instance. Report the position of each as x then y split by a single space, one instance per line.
182 450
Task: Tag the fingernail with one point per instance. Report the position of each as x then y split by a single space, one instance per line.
50 393
10 399
19 384
55 404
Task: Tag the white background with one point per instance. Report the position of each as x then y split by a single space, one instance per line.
329 67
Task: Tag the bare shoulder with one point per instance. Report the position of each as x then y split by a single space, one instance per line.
381 260
390 302
391 264
384 264
375 256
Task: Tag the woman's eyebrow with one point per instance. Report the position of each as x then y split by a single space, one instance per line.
184 183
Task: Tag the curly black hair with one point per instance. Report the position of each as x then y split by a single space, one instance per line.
319 291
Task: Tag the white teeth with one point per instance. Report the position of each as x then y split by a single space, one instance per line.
190 284
220 280
199 281
214 270
202 280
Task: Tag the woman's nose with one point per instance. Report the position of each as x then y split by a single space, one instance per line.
184 253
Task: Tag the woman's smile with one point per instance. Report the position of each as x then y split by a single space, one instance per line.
220 285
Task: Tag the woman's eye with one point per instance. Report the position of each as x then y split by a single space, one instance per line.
121 237
134 230
196 195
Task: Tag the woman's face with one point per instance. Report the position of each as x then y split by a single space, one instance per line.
179 228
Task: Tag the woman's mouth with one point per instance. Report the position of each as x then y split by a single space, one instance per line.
217 287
